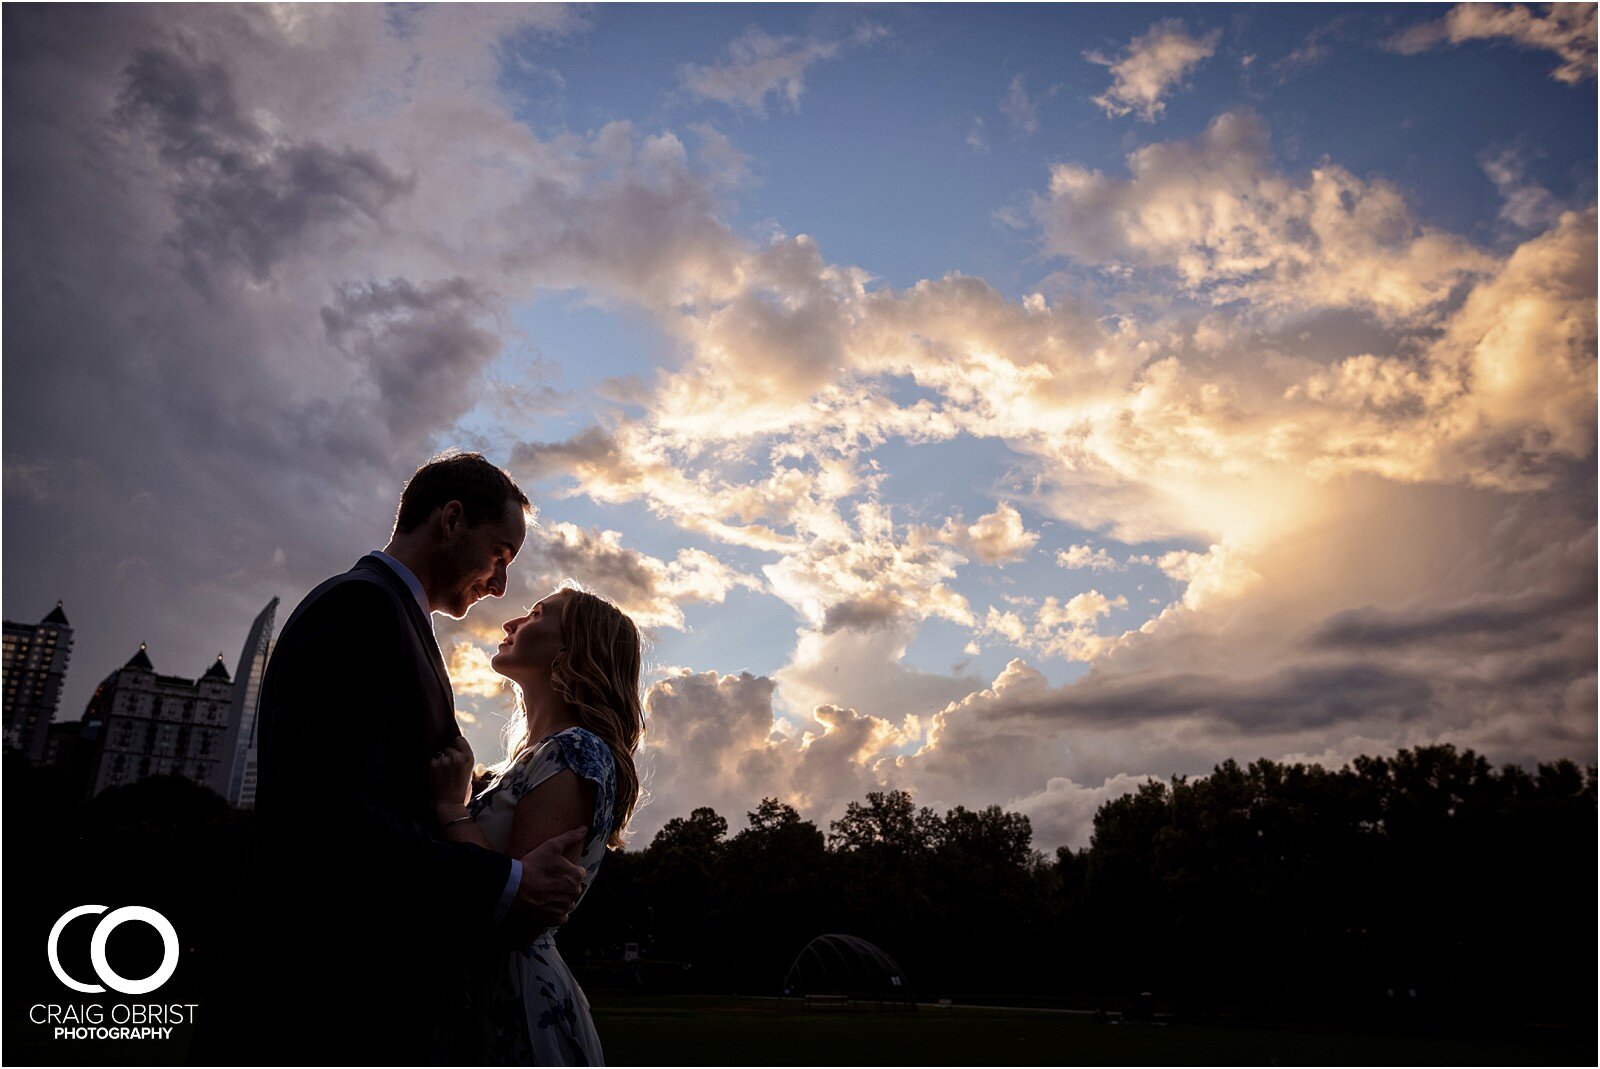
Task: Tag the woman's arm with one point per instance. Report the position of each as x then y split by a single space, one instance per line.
450 780
562 802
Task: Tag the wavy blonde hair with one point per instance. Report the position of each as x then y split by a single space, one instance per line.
597 675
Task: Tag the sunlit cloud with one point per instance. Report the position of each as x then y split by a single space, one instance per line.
1568 30
1228 227
1151 66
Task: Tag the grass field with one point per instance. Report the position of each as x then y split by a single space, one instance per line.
705 1030
689 1030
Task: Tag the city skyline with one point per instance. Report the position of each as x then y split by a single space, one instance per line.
1002 403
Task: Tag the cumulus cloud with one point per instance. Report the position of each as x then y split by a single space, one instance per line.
1151 67
1059 629
1568 30
760 65
471 674
1091 557
710 740
651 590
996 538
1229 227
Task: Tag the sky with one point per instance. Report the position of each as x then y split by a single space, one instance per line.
1004 404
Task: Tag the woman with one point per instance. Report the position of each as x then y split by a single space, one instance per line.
575 660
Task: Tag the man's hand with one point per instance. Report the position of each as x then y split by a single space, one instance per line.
551 883
450 774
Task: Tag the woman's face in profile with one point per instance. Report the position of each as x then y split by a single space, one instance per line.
533 639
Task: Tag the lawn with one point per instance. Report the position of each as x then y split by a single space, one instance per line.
710 1030
689 1030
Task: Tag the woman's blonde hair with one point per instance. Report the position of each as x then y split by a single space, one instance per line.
597 674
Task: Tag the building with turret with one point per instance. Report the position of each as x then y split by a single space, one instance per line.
141 723
35 666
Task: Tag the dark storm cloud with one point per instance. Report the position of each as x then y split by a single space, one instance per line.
862 614
243 197
1303 696
223 353
591 447
423 346
622 574
1501 622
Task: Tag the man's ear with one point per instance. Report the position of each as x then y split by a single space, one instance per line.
452 520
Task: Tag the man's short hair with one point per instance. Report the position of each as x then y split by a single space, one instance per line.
483 490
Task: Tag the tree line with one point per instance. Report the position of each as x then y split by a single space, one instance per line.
1426 884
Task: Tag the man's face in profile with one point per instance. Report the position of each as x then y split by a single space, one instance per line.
477 559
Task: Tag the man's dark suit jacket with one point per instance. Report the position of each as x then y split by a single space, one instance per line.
372 916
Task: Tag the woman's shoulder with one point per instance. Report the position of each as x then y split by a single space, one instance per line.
584 752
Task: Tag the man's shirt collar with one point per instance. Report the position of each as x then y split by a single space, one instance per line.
412 583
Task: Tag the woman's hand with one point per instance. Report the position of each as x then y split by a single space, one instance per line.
450 774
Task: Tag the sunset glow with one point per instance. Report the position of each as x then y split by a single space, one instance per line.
1001 403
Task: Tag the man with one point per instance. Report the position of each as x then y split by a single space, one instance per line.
374 915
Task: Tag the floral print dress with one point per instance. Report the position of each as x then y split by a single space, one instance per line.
536 1012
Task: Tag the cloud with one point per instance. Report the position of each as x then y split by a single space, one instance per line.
1022 109
996 538
1060 629
1527 204
1568 30
1362 445
710 740
975 139
471 674
1311 52
1062 814
1151 67
1094 558
1212 214
287 295
760 65
647 588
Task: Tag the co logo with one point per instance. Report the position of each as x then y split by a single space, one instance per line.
97 949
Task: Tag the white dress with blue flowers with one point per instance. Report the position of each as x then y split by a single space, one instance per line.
536 1013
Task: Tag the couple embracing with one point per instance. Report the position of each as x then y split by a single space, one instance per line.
407 920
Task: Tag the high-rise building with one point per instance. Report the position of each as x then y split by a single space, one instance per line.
235 774
146 724
35 665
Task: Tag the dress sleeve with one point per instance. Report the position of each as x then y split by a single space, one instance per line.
586 756
590 758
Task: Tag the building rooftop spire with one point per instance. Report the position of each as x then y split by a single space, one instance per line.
140 660
56 616
218 670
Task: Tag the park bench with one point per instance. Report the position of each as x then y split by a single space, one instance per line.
827 1002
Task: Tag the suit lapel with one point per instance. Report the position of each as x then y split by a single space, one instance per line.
419 623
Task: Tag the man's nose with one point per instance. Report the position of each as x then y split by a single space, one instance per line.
497 581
